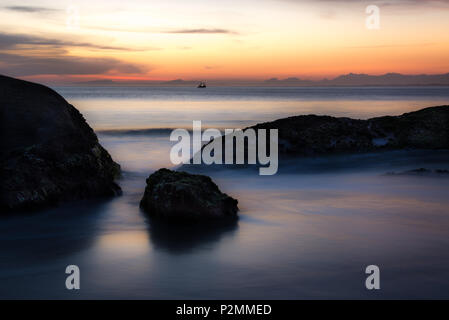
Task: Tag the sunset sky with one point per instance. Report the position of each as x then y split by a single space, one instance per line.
219 39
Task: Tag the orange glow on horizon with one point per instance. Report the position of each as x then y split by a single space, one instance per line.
150 41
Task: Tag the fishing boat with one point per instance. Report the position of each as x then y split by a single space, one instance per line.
202 85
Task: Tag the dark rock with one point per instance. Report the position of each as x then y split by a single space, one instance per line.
49 152
181 197
312 135
317 135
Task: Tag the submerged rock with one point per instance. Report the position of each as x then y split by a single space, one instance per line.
180 196
49 154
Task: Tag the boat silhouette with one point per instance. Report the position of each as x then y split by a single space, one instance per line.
202 85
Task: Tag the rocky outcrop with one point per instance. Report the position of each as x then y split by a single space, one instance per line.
183 197
49 154
317 135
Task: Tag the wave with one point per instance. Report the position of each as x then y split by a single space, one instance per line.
137 132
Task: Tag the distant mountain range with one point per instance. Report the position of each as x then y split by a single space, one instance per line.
351 79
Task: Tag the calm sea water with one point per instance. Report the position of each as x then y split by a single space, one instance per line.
307 232
137 107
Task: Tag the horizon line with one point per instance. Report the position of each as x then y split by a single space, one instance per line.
293 80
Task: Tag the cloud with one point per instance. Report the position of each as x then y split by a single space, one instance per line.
26 55
30 9
384 1
202 31
432 3
381 46
19 65
144 29
13 41
411 3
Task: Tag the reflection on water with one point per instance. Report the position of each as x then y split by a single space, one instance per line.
185 239
124 243
308 232
31 238
104 114
306 235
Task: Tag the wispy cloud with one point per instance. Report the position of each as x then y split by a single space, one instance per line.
31 9
12 41
382 1
26 55
203 31
147 30
381 46
421 3
19 65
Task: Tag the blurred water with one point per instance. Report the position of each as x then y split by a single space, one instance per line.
308 232
255 93
235 107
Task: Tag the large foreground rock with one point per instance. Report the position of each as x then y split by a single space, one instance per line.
180 196
318 135
49 153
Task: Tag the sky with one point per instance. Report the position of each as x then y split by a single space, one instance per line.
79 40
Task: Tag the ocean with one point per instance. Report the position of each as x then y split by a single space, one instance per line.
307 232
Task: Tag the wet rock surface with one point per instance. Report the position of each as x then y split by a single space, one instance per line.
309 135
183 197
